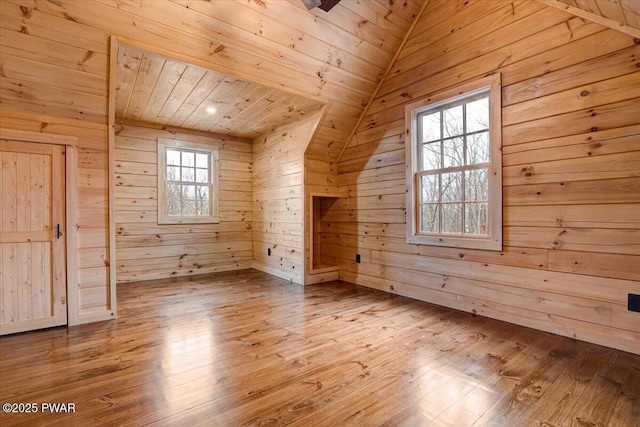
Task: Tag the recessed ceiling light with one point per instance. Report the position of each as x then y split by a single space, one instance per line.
211 110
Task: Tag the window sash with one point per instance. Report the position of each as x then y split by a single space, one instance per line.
456 101
439 172
464 135
463 202
182 183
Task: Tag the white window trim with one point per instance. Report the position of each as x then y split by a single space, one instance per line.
163 217
494 239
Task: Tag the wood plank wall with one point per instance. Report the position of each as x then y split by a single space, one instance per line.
146 250
278 198
321 179
92 192
571 144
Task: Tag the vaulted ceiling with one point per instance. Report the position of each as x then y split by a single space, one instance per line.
55 54
172 92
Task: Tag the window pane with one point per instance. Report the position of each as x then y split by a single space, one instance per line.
431 127
452 218
188 207
189 192
173 157
431 156
453 152
202 193
478 115
188 158
202 207
174 207
173 199
429 219
452 122
478 148
188 175
452 187
476 185
202 160
475 221
202 175
173 173
429 188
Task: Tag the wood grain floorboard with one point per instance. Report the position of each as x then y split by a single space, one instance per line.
245 348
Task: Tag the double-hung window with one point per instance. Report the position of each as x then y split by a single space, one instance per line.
187 182
454 173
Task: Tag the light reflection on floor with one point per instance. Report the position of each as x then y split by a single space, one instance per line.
188 363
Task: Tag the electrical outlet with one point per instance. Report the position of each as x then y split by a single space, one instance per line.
634 302
357 258
268 251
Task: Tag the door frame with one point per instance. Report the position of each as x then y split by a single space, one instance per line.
71 206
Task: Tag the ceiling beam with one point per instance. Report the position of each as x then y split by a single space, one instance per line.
593 17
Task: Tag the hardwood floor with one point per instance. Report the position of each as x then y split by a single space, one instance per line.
246 348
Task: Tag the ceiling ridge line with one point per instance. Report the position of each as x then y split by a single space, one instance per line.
384 77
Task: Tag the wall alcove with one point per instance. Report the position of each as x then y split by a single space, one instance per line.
320 205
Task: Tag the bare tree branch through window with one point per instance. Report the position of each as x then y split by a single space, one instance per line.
455 162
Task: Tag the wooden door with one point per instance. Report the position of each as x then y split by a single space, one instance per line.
32 236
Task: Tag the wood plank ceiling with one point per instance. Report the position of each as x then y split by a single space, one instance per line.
155 89
55 54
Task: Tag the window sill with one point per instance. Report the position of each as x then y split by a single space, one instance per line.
456 242
188 220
